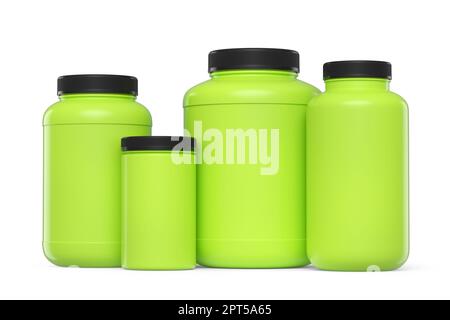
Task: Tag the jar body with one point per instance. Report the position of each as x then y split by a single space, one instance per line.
357 177
82 176
158 211
251 212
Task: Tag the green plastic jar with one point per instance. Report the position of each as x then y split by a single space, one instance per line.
357 170
249 123
82 134
158 203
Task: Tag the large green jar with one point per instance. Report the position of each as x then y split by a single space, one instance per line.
249 122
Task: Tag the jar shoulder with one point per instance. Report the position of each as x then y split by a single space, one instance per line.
250 90
352 98
97 111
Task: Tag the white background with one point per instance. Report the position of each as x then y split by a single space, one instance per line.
165 44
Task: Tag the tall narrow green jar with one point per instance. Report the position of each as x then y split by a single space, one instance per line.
82 134
249 123
357 170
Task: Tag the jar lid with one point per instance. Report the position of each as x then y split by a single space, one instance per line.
97 83
357 69
254 58
158 143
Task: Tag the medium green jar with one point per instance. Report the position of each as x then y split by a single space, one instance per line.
249 123
158 203
357 170
82 134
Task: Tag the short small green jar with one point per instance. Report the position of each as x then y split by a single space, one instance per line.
158 203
